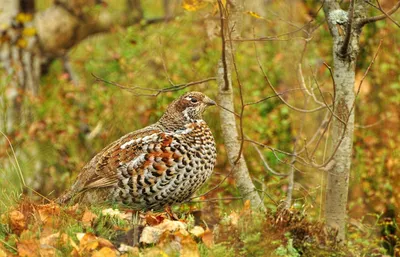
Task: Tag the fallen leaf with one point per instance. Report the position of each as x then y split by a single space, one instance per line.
47 251
171 225
133 251
28 248
73 209
151 235
88 243
188 247
234 218
105 243
4 252
80 236
105 252
51 240
208 238
17 222
88 218
154 219
116 213
48 211
197 231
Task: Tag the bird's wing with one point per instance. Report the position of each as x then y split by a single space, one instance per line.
102 170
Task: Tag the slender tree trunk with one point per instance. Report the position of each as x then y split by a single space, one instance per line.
228 122
20 58
338 176
167 6
345 30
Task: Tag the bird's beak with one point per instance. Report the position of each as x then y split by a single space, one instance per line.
208 101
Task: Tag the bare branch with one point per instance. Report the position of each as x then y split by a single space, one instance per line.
156 91
344 49
303 83
325 122
326 104
216 199
381 17
277 94
273 172
274 151
222 13
272 96
217 186
372 124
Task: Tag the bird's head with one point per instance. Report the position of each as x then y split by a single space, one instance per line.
187 108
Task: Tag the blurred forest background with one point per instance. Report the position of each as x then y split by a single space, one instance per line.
156 44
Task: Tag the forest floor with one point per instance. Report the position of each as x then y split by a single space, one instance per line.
30 229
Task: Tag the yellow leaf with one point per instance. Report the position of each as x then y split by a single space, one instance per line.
255 15
163 254
17 222
208 238
28 248
246 206
104 252
193 5
29 32
88 218
23 17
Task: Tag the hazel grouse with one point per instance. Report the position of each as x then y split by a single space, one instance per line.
159 165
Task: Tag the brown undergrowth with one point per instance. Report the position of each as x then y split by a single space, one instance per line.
31 229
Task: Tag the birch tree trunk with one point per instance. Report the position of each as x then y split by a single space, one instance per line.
345 28
225 99
20 59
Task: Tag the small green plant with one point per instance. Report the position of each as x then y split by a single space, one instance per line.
287 250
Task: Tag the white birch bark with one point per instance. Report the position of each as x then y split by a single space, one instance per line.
228 121
20 59
342 135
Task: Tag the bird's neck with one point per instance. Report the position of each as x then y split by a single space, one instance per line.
173 121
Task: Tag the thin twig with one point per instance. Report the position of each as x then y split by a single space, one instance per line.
20 174
274 151
12 247
281 98
321 127
372 124
381 17
215 187
156 91
323 99
273 172
304 86
217 199
272 96
222 13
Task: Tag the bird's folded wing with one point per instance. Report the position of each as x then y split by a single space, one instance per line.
101 171
101 182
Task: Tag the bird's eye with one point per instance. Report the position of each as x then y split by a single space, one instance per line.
193 100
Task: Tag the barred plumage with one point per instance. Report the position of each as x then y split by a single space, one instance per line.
159 165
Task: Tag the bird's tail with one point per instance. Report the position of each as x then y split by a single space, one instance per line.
64 198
